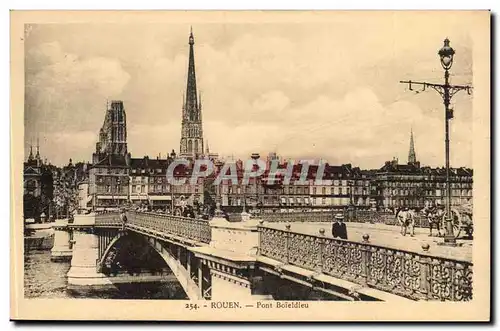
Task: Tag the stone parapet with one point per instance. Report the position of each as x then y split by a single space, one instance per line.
237 237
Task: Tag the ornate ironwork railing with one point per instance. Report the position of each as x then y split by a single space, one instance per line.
319 216
194 229
409 274
107 219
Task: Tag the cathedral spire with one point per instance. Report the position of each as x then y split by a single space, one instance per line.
192 131
412 158
191 98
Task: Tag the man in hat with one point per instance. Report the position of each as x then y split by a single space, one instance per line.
339 229
123 218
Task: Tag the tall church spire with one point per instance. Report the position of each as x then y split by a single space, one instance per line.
192 131
191 98
412 158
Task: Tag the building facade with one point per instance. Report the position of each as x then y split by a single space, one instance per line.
397 185
38 187
109 171
338 187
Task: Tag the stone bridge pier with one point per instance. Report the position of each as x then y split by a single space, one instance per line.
83 273
62 248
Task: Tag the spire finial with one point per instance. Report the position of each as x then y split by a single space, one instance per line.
191 37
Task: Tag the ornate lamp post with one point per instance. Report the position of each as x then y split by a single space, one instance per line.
446 54
447 91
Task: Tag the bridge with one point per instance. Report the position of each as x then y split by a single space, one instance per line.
260 258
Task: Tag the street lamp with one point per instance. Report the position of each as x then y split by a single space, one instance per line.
446 54
447 91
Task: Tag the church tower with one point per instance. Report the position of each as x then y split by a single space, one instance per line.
113 133
191 144
412 157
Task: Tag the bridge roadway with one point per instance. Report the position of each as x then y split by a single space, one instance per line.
387 236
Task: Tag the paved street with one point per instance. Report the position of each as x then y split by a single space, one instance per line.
388 236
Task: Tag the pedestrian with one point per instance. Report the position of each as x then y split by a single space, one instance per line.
339 229
123 218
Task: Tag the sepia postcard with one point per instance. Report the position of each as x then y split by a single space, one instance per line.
250 165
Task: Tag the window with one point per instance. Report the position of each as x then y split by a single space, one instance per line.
323 190
314 190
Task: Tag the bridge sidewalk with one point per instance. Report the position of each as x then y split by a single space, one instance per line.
387 236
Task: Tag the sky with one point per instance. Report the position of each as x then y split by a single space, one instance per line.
326 90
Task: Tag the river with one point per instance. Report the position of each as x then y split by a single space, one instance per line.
46 279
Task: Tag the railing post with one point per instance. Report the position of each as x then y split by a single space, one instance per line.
425 284
365 252
287 243
321 249
425 273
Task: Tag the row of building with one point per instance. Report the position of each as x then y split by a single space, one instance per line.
145 180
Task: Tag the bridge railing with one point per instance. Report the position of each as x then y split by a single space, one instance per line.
319 216
107 219
404 273
195 229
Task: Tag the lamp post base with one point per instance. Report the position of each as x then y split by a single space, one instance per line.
449 241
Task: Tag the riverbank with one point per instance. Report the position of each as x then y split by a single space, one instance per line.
39 242
46 279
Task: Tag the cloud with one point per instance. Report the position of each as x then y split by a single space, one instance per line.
68 144
65 92
326 90
356 128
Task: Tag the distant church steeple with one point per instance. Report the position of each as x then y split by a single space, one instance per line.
192 130
30 157
37 149
412 157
